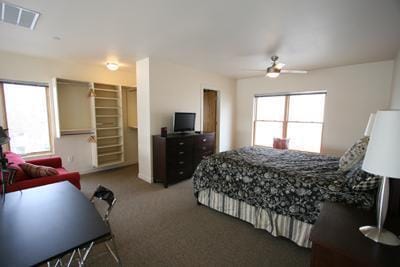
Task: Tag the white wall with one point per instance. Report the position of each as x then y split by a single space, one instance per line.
27 68
143 108
353 92
179 88
395 103
174 88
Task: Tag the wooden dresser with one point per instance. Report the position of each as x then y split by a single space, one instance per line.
176 156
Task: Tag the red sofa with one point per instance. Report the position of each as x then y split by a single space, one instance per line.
22 181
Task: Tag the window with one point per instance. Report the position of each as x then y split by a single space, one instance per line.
27 120
299 117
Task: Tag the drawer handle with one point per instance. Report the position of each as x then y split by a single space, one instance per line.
181 162
204 139
181 172
181 152
181 143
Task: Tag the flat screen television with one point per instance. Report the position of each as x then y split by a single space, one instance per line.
184 121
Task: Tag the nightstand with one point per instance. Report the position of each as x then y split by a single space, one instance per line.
338 242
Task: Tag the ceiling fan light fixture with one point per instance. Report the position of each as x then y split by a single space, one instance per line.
112 66
273 72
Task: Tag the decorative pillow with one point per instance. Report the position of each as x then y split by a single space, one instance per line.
354 154
371 183
13 161
281 143
360 180
35 171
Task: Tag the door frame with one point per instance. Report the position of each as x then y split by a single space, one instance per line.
218 133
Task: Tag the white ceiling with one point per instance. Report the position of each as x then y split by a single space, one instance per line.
224 36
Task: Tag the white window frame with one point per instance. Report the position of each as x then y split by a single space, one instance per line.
285 120
3 117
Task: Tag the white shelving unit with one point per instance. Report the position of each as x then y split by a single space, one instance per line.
131 104
104 114
107 113
72 121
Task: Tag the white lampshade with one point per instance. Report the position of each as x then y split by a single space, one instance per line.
370 124
383 152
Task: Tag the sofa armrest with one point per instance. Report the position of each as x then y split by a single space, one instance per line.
54 162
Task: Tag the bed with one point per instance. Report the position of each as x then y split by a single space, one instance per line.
280 191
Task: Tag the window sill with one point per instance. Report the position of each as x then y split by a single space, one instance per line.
38 155
289 149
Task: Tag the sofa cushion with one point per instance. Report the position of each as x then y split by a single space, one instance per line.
13 163
35 171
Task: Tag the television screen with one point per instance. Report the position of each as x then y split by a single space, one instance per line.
184 121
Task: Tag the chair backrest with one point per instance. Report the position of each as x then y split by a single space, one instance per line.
8 175
105 194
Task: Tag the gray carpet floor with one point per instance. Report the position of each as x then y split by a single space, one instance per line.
165 227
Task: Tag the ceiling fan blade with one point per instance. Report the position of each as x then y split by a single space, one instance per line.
294 71
263 70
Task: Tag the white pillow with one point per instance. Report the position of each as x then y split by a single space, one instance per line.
354 154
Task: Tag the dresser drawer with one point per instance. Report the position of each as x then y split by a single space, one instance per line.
205 139
205 148
200 156
176 174
180 143
180 162
177 156
179 147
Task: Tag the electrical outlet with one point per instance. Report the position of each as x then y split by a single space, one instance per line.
70 158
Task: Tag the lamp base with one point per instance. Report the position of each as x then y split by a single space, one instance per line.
380 235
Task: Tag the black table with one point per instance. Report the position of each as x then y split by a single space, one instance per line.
46 222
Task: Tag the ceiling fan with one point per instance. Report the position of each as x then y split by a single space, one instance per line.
277 68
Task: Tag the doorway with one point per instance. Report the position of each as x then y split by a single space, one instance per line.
210 111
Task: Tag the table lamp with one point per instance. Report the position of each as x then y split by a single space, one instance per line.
382 158
370 124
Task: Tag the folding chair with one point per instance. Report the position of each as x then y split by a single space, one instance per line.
106 195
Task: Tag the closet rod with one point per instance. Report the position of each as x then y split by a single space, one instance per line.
74 83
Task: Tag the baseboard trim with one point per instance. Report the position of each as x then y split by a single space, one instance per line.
108 168
145 178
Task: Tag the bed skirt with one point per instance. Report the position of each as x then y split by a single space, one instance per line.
275 224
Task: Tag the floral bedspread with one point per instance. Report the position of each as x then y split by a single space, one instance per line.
290 183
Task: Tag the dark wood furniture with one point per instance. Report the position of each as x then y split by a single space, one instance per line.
45 223
338 242
176 156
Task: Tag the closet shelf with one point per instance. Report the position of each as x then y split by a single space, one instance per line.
106 90
109 125
109 137
106 98
109 154
107 116
76 131
108 107
108 128
108 146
